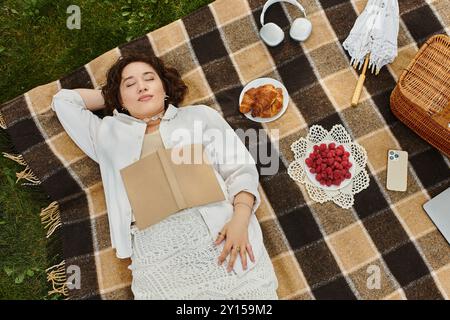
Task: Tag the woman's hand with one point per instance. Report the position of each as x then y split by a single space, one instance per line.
235 234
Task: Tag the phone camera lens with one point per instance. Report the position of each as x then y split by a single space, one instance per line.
391 157
396 155
391 152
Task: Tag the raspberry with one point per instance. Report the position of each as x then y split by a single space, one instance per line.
330 164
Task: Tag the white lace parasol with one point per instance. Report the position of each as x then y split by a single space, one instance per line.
343 195
375 32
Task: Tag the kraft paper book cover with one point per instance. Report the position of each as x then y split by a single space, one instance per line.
170 180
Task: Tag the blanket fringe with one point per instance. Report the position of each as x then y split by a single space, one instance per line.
2 122
57 276
27 173
19 158
50 218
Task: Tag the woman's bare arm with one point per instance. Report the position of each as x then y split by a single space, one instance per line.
243 204
92 98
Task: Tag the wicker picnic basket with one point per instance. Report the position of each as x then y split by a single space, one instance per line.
421 98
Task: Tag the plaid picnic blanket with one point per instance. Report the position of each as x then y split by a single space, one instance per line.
319 251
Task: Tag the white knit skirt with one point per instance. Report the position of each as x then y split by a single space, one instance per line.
176 259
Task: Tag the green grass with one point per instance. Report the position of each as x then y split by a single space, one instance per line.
36 47
22 238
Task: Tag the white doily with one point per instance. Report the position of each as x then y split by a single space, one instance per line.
343 196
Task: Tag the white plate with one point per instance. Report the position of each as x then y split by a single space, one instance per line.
260 82
312 176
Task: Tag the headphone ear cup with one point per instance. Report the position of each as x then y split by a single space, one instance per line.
271 34
301 29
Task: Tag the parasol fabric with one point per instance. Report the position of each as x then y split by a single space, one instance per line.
375 32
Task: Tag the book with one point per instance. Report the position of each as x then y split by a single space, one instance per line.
169 180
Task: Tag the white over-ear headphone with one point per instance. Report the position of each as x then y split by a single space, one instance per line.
272 34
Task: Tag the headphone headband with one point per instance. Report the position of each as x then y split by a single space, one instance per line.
271 2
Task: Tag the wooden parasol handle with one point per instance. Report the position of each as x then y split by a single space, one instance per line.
360 83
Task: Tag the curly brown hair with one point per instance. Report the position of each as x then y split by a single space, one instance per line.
174 86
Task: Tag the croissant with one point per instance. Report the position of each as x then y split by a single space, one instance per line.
264 101
248 100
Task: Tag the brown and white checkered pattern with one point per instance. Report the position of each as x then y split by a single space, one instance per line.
319 251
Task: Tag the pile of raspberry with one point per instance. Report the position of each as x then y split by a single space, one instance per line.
330 164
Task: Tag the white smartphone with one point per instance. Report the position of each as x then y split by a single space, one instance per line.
397 170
